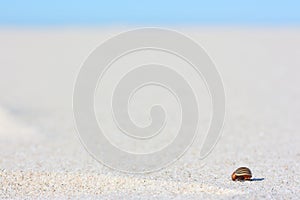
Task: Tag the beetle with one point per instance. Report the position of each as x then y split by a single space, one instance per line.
241 174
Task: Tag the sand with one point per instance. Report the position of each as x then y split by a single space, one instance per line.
41 156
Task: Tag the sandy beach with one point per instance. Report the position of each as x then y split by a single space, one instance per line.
41 156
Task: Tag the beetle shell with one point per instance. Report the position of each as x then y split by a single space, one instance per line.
241 174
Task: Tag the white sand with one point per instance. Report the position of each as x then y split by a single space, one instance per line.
41 157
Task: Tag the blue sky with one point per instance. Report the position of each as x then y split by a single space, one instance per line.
154 12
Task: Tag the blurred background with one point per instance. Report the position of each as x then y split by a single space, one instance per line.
254 44
33 13
43 43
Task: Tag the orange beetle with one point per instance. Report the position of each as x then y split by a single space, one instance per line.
241 174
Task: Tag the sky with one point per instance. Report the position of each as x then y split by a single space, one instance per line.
154 12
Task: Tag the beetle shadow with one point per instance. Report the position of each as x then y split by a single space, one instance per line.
257 179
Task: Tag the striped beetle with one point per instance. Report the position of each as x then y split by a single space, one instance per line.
241 174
